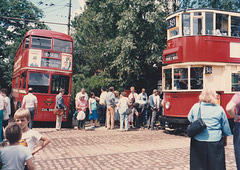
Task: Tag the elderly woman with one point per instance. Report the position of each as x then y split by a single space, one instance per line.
82 106
207 147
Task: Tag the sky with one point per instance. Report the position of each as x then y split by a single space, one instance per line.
57 11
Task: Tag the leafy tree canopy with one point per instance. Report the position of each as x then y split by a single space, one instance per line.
122 38
12 31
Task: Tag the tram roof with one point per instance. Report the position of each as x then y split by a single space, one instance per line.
49 33
203 9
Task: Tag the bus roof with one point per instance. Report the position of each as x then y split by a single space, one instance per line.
49 33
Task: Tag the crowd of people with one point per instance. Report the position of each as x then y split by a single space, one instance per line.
134 111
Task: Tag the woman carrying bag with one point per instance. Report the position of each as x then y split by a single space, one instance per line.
207 148
81 106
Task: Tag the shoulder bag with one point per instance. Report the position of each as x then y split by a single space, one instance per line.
196 126
58 111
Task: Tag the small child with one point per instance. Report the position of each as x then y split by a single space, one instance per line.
15 156
29 136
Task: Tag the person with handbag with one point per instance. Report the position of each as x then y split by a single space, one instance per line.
207 147
82 106
59 108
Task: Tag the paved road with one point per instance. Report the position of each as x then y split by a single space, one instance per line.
102 149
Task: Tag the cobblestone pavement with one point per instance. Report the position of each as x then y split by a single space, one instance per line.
113 149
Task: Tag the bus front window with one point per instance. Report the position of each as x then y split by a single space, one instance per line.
235 81
39 82
196 77
58 82
181 78
168 79
61 45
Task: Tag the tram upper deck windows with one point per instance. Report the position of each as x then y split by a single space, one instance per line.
173 26
221 25
235 26
168 79
186 24
197 23
235 82
181 78
209 23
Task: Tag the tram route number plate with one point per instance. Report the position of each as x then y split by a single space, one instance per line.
208 69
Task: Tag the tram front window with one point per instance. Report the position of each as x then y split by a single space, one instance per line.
196 77
168 79
235 82
181 78
58 82
39 82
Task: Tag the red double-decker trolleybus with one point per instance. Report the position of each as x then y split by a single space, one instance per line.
203 50
44 62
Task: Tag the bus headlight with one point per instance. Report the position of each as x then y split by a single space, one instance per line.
167 105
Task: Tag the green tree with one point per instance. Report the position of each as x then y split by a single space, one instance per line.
233 5
12 31
122 38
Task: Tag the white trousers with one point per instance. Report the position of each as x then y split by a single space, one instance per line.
59 122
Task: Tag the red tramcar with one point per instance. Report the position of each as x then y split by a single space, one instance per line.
203 50
44 62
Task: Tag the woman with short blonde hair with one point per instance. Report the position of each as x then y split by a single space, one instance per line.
207 147
208 96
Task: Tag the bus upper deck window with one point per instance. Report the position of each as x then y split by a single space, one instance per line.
235 82
209 23
181 78
196 77
221 25
168 79
43 43
186 24
27 43
197 23
235 26
61 45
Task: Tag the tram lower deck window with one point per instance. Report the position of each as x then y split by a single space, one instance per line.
181 78
196 77
235 82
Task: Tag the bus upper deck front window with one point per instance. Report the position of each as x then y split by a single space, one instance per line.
181 78
39 82
43 43
61 45
221 25
168 79
235 26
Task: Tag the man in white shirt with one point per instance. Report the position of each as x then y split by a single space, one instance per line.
30 102
132 98
7 110
143 98
102 107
